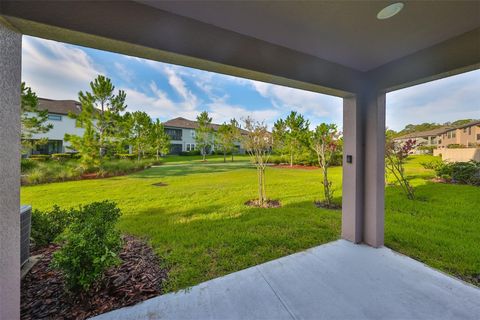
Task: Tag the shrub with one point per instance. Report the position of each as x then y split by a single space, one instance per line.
27 165
455 146
47 225
61 156
460 172
130 156
39 157
90 245
432 164
190 153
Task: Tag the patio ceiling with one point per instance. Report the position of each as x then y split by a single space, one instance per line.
333 47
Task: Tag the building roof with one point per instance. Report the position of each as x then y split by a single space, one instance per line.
189 124
59 106
466 125
427 133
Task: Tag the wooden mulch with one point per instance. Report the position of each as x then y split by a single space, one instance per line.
267 204
137 278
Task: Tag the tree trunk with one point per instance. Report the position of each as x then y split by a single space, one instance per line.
224 156
204 153
157 154
232 155
291 159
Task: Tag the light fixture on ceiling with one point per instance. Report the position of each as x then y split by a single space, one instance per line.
390 10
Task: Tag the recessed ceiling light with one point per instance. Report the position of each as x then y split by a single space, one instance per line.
390 11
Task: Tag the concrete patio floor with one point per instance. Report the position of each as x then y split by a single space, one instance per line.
338 280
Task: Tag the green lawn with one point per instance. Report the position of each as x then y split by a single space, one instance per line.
201 228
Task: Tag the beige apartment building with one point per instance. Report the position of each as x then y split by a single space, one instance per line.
467 135
430 138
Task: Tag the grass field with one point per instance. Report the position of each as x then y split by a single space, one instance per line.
200 226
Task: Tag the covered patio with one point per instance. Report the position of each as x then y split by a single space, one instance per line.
339 48
338 280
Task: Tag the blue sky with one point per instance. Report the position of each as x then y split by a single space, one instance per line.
58 71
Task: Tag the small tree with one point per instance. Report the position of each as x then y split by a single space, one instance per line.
203 134
226 137
235 133
223 141
395 157
160 139
141 130
32 119
258 143
325 142
296 135
279 135
101 110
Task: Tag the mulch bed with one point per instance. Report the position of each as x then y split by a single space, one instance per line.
137 278
268 204
323 205
159 184
295 166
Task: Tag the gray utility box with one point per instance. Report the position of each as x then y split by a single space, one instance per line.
25 228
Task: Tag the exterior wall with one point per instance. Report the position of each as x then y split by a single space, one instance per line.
463 136
458 155
421 141
60 128
10 77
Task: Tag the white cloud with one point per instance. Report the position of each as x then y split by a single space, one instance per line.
177 83
221 112
56 70
438 101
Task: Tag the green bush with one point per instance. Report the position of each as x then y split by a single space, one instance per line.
190 153
130 156
61 156
52 171
460 172
455 146
432 164
40 157
27 165
90 245
47 225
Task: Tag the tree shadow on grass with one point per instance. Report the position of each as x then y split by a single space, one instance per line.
189 169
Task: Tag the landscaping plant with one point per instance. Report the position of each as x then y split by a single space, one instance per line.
395 156
292 134
160 139
226 137
89 245
48 225
203 134
460 172
258 143
33 120
325 142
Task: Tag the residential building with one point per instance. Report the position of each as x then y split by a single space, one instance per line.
467 136
58 111
182 135
430 138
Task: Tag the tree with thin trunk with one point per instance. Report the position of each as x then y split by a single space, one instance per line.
160 139
101 108
296 135
223 141
395 156
235 133
203 133
258 144
279 135
33 120
141 129
325 142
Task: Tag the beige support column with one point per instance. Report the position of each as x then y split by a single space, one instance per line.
10 77
364 168
352 184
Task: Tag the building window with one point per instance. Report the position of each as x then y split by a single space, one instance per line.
175 134
454 134
192 132
469 130
190 146
54 117
478 136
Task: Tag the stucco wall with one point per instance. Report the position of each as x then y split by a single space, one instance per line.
458 155
60 128
10 75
